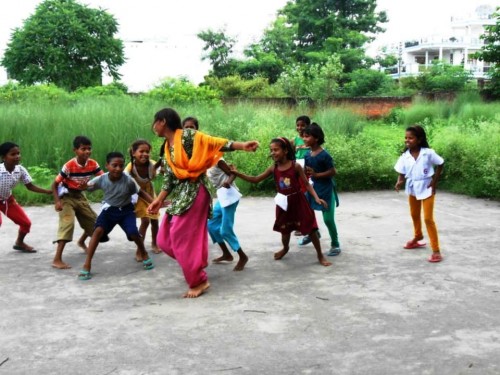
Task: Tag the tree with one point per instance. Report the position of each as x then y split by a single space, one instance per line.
64 43
334 27
219 47
491 52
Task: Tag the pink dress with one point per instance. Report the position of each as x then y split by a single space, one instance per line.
299 215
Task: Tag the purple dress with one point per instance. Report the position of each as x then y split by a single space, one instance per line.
299 215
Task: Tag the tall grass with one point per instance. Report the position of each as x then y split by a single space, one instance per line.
465 132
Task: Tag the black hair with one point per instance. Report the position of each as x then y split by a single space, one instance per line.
162 148
419 132
286 145
305 119
6 147
133 148
113 155
314 130
81 140
194 120
171 117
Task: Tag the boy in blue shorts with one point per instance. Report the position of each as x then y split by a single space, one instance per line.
117 208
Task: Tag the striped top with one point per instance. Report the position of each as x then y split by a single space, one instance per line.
73 174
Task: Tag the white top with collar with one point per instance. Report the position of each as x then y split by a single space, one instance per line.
418 173
10 179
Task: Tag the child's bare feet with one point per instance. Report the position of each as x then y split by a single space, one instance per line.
280 254
60 265
155 249
81 244
324 262
223 258
138 256
197 290
241 262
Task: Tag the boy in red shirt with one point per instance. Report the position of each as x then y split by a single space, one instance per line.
69 199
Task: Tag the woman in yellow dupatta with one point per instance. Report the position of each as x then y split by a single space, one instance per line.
188 155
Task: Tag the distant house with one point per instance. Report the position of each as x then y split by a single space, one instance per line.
455 48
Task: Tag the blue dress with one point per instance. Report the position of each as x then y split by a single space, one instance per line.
324 187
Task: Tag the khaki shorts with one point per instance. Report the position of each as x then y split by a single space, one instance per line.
75 205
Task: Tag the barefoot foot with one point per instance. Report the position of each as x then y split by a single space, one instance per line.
197 290
82 246
155 249
324 262
280 254
241 263
223 258
60 265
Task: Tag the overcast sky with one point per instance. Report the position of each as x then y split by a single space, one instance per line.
170 26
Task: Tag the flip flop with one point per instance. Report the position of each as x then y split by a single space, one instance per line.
23 249
435 258
84 275
148 264
414 245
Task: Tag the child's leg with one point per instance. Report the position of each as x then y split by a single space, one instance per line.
285 240
226 254
57 262
315 240
428 205
65 230
415 210
15 212
329 219
93 243
81 241
142 231
154 233
214 226
242 261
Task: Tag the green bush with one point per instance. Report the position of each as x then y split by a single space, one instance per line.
178 91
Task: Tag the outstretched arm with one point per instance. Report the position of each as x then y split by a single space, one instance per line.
144 195
254 179
31 187
227 170
250 146
157 203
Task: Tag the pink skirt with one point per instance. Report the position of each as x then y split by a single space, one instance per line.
185 238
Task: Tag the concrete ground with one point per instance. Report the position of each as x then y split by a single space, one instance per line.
379 309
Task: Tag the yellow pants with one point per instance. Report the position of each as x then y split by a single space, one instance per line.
415 211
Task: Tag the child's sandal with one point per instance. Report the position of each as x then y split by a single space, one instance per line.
84 275
148 264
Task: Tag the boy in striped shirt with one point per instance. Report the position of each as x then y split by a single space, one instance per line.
69 199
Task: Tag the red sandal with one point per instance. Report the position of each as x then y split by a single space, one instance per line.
435 258
414 245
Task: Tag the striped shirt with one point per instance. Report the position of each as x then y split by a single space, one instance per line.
73 174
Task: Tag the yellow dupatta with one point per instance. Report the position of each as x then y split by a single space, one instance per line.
206 153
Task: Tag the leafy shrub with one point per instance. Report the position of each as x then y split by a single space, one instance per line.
14 92
113 89
180 90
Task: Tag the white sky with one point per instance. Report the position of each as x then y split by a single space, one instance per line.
173 24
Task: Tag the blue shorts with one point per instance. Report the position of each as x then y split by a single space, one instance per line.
124 217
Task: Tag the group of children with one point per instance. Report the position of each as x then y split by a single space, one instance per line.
302 170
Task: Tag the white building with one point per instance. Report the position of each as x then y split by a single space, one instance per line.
456 47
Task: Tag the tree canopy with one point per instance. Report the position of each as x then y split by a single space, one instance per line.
490 52
64 43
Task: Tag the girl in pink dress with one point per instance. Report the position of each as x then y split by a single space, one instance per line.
292 210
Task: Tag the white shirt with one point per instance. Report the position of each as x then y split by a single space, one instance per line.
418 173
10 179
